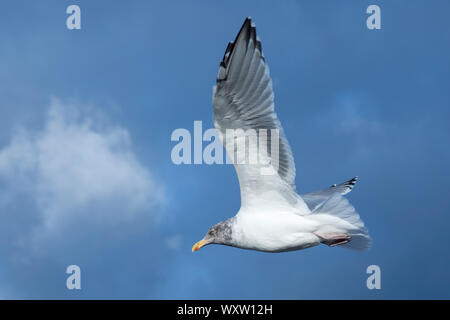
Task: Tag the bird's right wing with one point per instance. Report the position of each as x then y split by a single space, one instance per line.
243 104
317 198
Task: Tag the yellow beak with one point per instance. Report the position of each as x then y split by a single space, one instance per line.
198 245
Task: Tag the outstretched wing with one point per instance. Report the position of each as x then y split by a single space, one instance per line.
243 99
317 198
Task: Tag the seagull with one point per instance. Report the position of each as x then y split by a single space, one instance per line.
273 217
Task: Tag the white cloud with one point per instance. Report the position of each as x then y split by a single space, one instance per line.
77 169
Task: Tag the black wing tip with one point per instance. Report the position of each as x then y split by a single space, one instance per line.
250 28
244 30
247 32
350 183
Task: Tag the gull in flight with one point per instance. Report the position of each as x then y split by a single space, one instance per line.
272 217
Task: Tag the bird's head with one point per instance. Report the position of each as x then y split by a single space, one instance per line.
218 234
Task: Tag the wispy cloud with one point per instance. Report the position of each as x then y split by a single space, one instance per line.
76 171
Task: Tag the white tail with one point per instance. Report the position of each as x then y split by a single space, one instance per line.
337 215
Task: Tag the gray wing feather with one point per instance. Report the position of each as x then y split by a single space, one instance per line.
317 198
243 98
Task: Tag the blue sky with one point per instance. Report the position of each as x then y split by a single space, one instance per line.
85 171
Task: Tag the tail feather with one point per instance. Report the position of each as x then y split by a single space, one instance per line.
337 215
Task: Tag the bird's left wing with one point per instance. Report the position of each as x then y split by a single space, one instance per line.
243 103
317 198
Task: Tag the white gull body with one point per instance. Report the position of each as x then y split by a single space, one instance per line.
272 217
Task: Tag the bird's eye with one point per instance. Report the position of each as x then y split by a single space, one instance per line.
211 232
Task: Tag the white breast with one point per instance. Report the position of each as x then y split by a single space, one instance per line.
269 231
